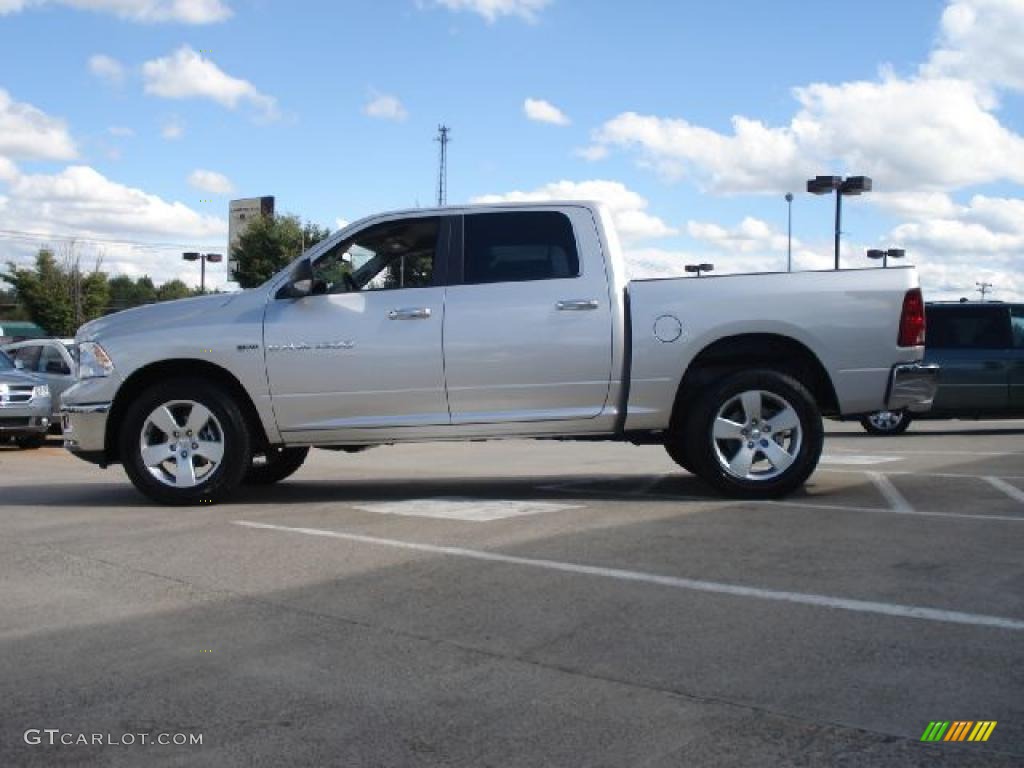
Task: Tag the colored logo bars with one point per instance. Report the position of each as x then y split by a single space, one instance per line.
958 730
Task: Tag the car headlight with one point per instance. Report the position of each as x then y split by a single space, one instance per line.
42 390
93 361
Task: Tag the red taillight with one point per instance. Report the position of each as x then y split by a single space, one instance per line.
912 320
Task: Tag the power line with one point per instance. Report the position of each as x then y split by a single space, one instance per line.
26 236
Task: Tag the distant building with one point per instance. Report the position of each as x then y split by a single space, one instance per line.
240 213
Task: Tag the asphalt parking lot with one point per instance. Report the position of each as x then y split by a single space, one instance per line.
523 603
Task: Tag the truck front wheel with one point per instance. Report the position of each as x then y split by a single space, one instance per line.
755 434
185 442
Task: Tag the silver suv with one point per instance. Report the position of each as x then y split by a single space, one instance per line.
25 407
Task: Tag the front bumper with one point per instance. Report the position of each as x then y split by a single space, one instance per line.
32 417
85 430
912 386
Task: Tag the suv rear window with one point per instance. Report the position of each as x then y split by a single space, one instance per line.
516 246
968 327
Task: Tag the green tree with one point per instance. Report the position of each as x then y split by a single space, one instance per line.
10 309
57 294
126 293
173 289
269 244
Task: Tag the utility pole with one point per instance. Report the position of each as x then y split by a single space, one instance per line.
442 171
789 231
983 288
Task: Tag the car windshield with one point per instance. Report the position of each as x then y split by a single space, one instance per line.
6 364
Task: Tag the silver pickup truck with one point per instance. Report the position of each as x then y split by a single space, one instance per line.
509 321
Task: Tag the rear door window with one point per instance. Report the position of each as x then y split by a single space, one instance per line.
966 327
517 246
52 361
1017 326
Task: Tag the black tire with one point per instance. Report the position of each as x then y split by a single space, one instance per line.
675 446
278 463
30 442
227 423
781 401
886 422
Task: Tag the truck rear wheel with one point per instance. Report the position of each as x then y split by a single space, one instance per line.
755 434
886 422
274 465
185 442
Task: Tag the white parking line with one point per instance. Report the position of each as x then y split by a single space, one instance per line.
915 451
897 501
458 508
694 585
853 458
1013 492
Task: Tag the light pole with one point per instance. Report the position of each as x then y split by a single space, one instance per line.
983 288
891 253
698 268
202 258
851 185
789 231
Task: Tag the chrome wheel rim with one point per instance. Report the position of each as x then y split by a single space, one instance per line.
182 443
756 435
885 420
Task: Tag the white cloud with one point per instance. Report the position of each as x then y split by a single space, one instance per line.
107 68
385 107
187 74
908 134
592 153
750 236
543 111
340 223
172 128
82 202
8 170
627 207
121 131
211 181
492 10
28 133
980 41
147 11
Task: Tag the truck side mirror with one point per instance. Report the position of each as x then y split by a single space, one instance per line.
19 365
300 281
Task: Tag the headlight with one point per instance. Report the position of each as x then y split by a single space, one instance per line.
93 361
40 391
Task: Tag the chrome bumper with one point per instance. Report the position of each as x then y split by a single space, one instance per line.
85 427
912 386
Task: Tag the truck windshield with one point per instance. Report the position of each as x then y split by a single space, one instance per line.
6 364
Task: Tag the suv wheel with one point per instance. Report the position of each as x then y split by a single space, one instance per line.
755 434
886 422
274 465
185 442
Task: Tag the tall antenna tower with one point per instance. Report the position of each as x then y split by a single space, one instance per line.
442 171
983 288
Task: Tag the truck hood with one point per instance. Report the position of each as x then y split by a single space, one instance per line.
19 377
158 316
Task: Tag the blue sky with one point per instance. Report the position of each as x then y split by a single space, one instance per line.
137 120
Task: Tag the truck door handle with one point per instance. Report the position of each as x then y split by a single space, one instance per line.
417 313
577 305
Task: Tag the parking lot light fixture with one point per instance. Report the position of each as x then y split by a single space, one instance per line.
699 268
885 255
851 185
202 258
